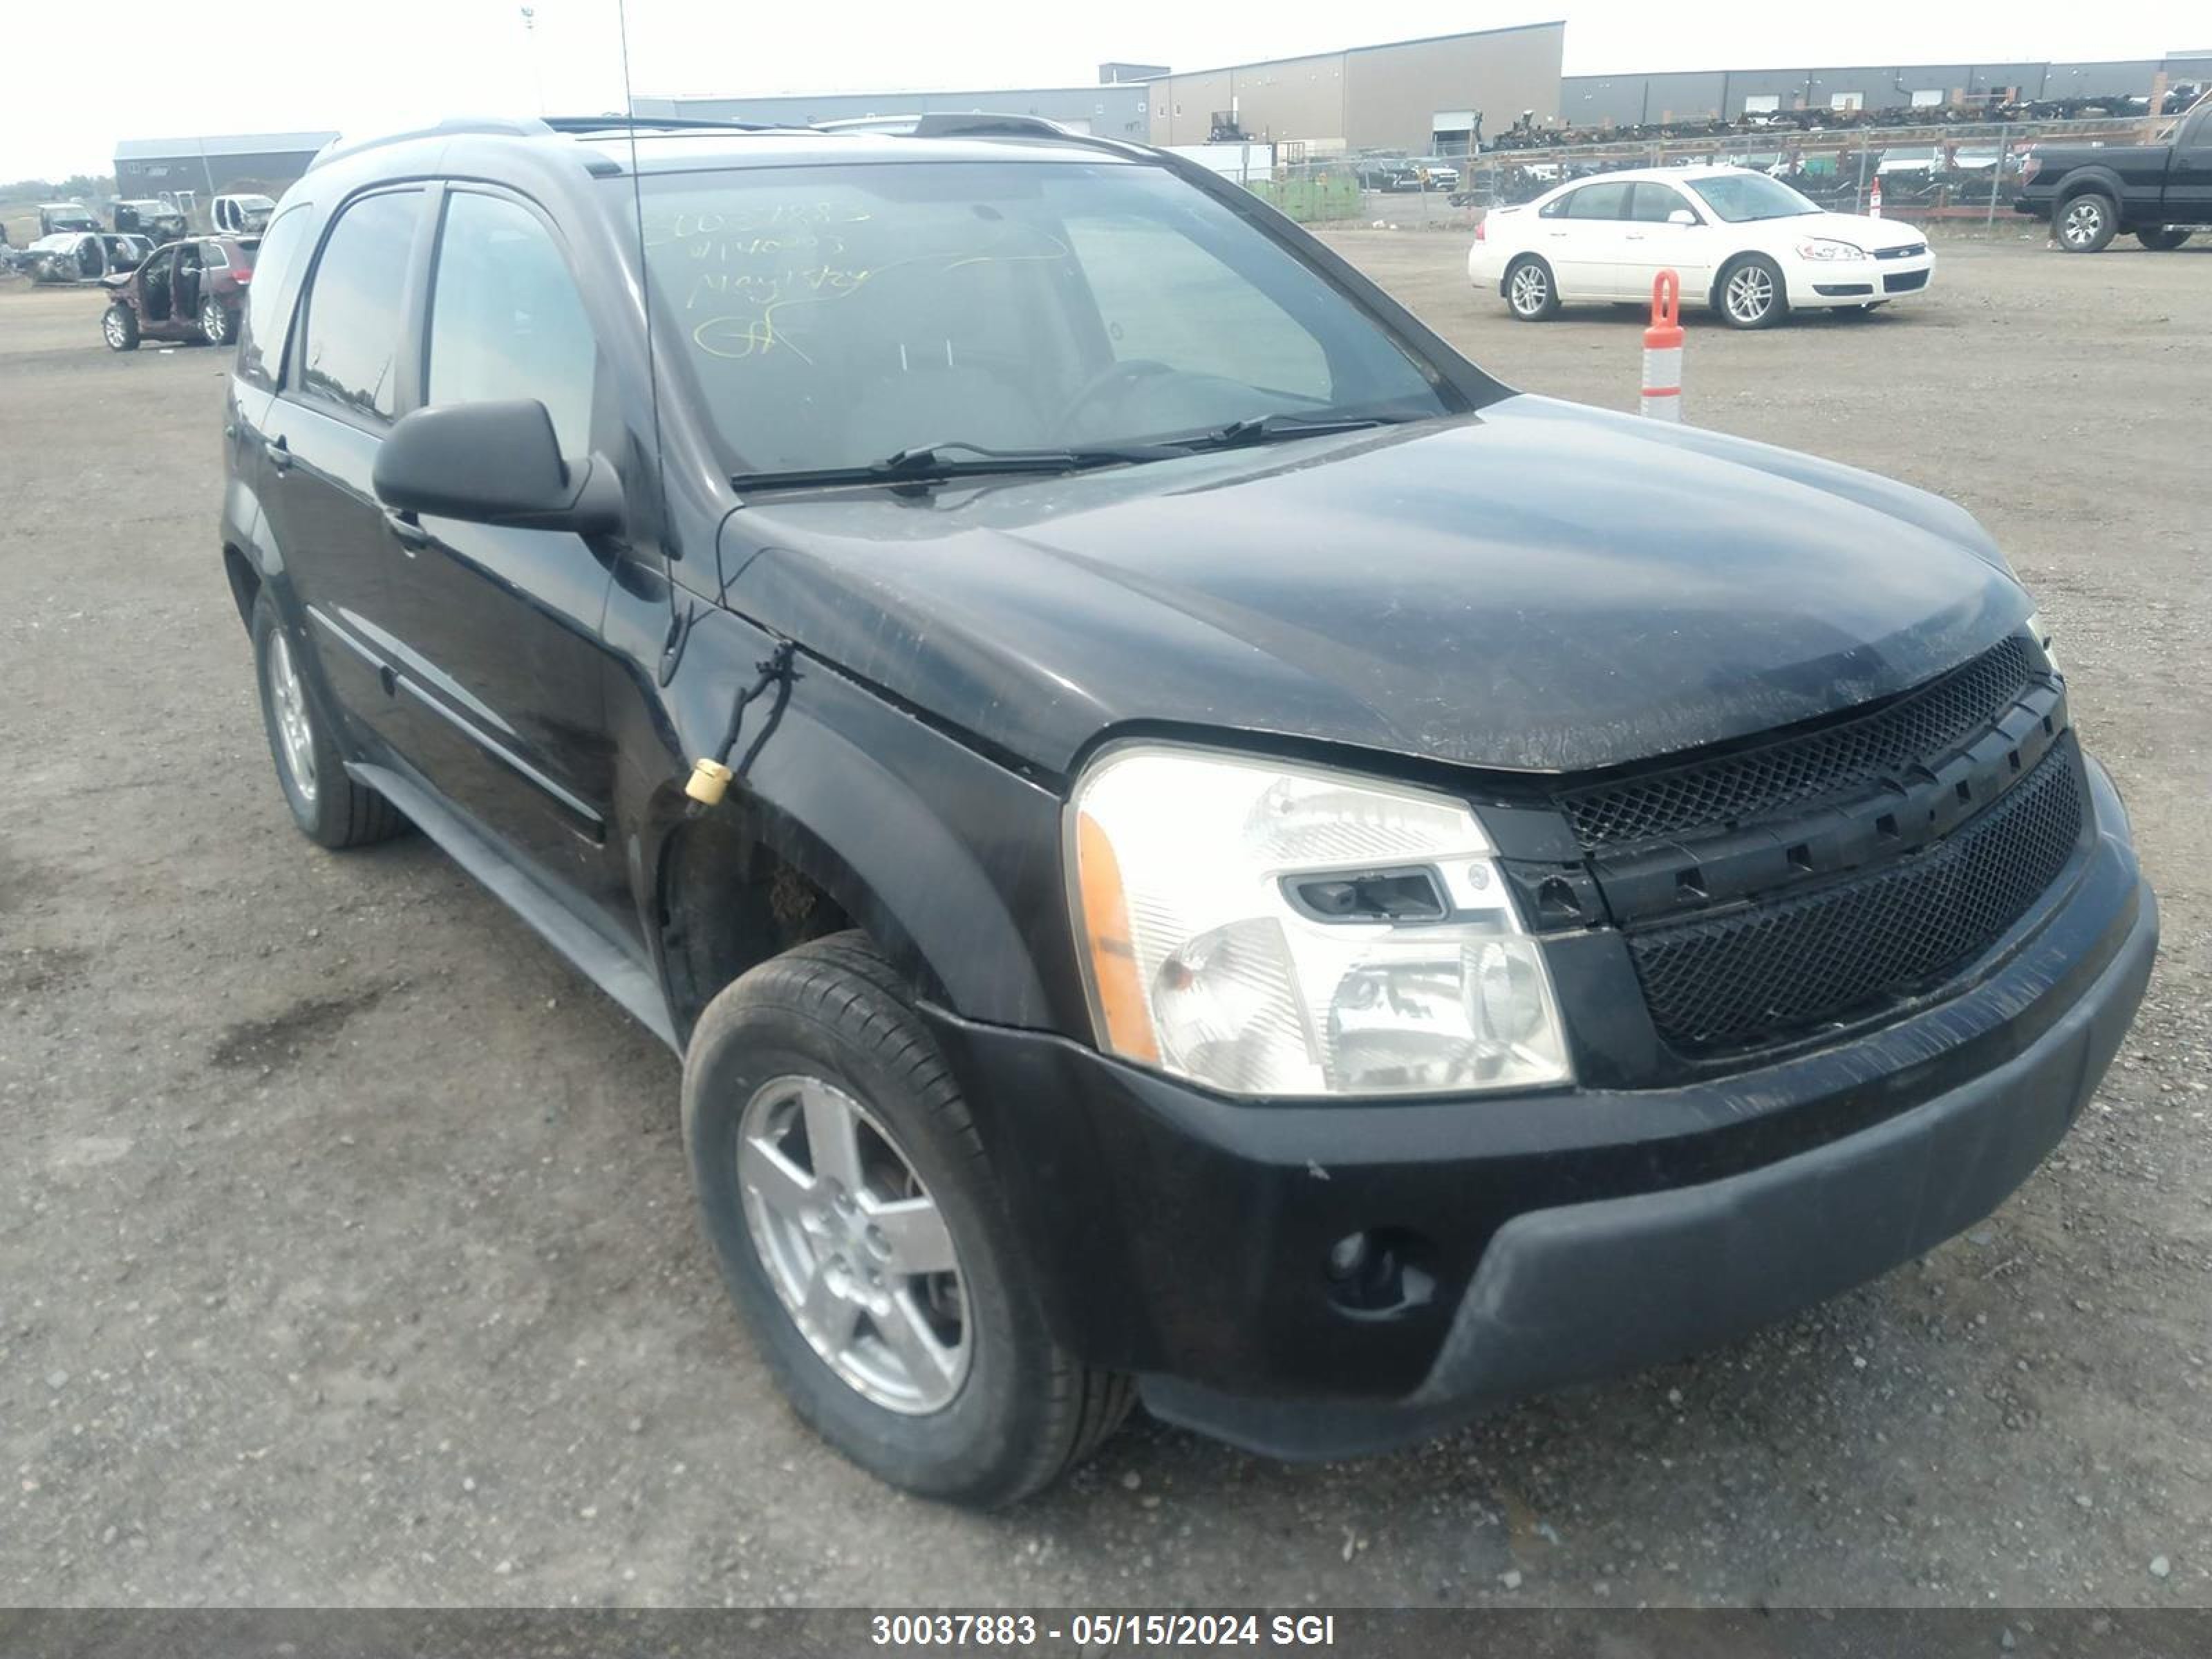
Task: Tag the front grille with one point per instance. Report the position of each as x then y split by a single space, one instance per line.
1909 251
1903 282
1752 784
1732 981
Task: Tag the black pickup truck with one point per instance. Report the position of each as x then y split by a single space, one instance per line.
2092 192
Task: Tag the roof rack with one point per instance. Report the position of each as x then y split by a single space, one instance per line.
574 124
502 125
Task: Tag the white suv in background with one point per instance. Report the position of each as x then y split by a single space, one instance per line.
1746 245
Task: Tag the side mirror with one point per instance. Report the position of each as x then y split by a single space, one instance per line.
494 463
1681 216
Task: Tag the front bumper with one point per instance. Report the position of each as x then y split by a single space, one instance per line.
1557 1237
1858 281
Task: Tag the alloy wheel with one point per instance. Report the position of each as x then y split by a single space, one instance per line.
1530 289
1750 294
212 322
856 1249
2083 222
289 698
112 326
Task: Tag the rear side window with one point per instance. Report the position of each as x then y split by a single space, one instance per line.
1599 202
351 352
506 320
263 339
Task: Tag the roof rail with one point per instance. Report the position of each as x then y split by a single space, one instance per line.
573 124
945 124
502 125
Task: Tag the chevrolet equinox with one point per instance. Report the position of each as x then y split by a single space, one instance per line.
1193 845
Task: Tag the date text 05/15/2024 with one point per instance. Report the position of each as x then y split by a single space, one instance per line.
1104 1630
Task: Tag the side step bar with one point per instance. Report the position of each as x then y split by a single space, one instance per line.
598 958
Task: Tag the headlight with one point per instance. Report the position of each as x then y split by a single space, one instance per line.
1271 929
2036 626
1828 250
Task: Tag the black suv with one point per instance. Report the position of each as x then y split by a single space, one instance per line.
1194 844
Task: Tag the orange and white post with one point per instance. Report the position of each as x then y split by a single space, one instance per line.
1662 350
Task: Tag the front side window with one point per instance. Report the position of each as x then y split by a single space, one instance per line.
1738 197
1652 202
351 349
834 315
262 340
505 317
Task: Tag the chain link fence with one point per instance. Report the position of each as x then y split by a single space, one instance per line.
1945 177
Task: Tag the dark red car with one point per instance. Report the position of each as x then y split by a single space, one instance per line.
189 290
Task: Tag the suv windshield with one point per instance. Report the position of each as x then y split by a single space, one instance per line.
837 316
1737 196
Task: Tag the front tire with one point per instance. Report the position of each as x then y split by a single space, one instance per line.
2086 223
1750 294
859 1228
330 809
2163 239
1531 294
218 325
120 328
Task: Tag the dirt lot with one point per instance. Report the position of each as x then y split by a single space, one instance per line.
345 1252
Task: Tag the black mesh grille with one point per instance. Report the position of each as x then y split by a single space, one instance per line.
1754 783
1738 979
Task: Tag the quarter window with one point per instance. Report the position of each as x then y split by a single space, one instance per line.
506 320
351 352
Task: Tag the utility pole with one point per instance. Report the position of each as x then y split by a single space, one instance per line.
530 45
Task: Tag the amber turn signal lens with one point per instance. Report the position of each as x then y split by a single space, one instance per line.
1126 1019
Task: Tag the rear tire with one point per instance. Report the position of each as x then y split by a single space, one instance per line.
1531 294
120 328
2163 239
2087 223
1750 293
218 323
831 1022
331 810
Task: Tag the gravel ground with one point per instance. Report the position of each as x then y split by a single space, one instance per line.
345 1253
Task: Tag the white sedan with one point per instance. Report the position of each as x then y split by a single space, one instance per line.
1746 243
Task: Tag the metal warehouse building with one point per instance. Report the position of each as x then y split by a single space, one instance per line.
1628 101
1410 95
1431 94
1415 95
262 162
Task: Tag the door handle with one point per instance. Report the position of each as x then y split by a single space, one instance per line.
278 452
410 536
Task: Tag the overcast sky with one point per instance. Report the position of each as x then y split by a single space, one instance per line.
80 75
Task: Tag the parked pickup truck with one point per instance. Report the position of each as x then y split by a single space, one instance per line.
2092 192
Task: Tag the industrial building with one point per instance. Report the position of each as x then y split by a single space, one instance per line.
1444 93
1410 95
1628 101
207 167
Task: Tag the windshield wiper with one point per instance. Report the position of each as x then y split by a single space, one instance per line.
956 459
1275 429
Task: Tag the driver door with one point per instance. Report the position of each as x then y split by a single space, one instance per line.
1653 242
1585 236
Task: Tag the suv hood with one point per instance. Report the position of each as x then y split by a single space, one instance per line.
1538 587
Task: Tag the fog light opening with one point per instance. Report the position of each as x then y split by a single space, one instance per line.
1381 1273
